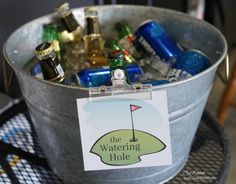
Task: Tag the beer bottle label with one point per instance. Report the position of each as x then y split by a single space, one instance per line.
56 45
126 43
60 70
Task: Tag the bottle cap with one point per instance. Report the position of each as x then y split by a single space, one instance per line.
116 55
90 12
43 49
61 8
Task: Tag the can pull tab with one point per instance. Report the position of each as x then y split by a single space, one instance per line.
119 86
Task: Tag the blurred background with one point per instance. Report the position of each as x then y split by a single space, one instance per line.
14 13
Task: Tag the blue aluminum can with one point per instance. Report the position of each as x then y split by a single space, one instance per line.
189 63
101 76
37 71
152 38
192 61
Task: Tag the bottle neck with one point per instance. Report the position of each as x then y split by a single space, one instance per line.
50 32
69 21
92 26
123 31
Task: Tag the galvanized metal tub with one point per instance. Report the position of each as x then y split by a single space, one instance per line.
53 106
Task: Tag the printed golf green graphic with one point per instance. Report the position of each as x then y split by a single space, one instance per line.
125 147
117 148
123 132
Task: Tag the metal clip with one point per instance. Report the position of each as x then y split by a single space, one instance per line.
120 87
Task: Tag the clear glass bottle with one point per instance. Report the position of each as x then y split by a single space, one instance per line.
71 25
94 44
72 35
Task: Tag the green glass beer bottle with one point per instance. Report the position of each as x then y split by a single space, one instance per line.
51 34
94 44
112 45
126 37
50 66
118 66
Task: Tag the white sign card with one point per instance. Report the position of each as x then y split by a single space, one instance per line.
121 132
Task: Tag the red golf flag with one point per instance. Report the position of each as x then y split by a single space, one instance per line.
134 108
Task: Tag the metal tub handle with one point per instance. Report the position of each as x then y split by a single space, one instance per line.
225 78
8 76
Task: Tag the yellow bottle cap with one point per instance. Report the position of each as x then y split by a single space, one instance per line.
44 49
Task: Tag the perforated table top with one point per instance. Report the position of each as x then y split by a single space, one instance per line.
22 161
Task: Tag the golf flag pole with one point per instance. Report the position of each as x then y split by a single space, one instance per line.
133 108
